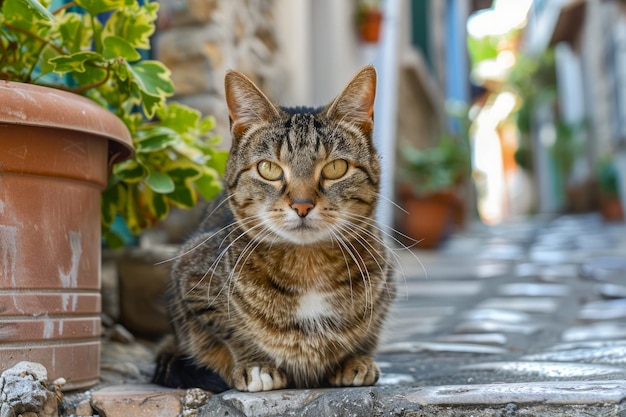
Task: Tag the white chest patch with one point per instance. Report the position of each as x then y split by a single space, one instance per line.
314 305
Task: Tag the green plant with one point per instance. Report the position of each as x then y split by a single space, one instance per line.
439 168
94 48
443 166
607 178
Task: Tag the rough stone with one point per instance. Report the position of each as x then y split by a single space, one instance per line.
84 409
143 400
24 389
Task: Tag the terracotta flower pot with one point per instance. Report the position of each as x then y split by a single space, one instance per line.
371 24
55 152
430 218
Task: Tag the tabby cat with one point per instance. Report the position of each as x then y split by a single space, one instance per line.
287 282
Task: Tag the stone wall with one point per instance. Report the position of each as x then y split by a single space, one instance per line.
199 40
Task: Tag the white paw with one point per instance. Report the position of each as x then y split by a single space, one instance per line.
258 378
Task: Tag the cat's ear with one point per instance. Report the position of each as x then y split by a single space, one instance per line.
247 105
355 104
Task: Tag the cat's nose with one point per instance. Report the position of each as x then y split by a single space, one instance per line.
302 206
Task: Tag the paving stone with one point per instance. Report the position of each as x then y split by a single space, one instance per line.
503 316
143 400
546 272
443 288
541 367
496 327
610 290
530 289
508 252
590 344
414 347
612 355
475 338
603 310
604 268
544 254
271 403
595 331
587 392
395 379
525 304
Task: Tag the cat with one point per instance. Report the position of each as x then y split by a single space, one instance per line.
287 283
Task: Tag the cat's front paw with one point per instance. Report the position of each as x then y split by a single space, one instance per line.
355 372
254 378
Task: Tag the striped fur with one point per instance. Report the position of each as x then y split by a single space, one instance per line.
286 284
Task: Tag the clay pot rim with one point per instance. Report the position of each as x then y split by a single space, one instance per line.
35 105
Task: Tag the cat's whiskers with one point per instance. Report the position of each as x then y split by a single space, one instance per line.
180 255
363 240
336 238
396 205
357 258
392 251
374 223
219 257
247 251
365 243
215 263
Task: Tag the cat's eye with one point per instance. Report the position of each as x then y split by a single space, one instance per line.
335 169
271 171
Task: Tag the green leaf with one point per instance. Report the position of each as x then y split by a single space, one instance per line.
179 117
76 32
74 62
134 24
208 185
112 198
155 143
153 81
160 182
25 13
157 203
116 47
95 7
130 171
183 195
183 169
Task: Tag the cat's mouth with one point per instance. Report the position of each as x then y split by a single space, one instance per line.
304 232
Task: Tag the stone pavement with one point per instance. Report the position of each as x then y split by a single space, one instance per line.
522 319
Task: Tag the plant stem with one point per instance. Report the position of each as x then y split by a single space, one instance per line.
37 37
78 90
64 7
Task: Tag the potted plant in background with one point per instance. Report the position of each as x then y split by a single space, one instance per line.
368 20
80 112
433 182
610 203
430 186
